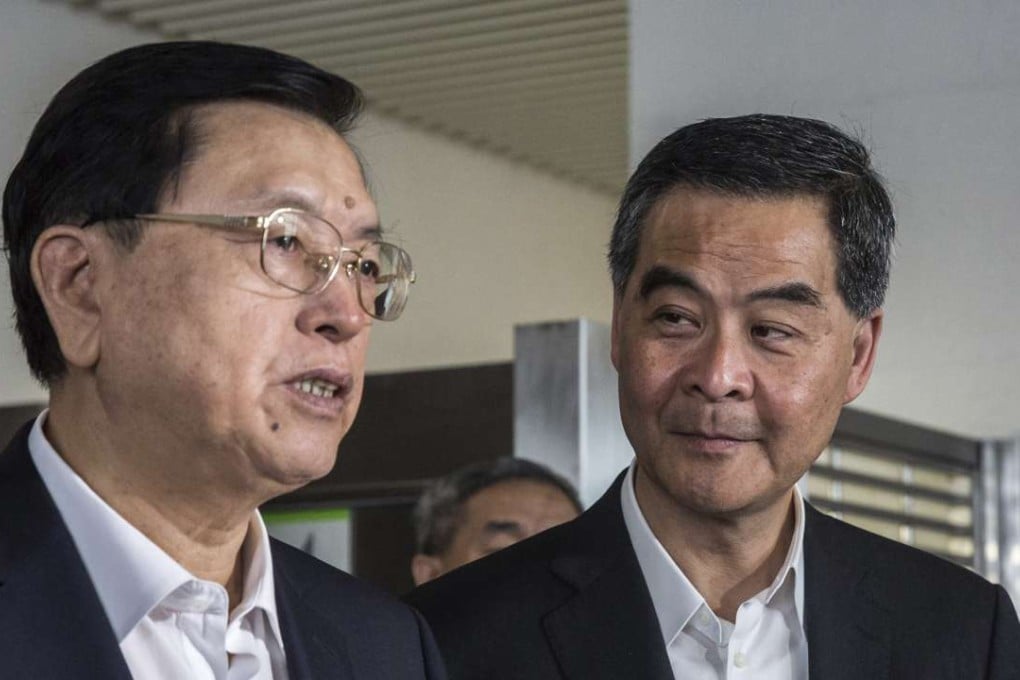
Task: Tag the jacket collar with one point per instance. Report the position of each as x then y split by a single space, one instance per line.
608 628
50 616
847 624
310 637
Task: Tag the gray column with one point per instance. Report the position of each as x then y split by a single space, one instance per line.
566 413
1000 495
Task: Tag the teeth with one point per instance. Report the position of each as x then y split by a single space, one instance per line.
319 388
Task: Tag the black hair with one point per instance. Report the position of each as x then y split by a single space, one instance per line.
763 156
113 141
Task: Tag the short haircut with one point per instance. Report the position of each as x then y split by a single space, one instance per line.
768 156
114 140
439 510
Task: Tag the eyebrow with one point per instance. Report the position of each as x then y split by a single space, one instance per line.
497 526
370 233
796 292
664 277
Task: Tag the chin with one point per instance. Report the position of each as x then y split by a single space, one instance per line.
714 500
293 469
729 505
311 469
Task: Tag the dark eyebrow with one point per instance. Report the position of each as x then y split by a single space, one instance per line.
284 198
497 526
370 233
664 277
796 292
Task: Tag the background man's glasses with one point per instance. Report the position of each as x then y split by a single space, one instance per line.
303 253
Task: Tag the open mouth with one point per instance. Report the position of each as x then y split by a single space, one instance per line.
318 387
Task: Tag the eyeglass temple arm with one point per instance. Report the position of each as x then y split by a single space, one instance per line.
226 221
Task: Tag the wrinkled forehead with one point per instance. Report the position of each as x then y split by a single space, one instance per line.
700 217
744 238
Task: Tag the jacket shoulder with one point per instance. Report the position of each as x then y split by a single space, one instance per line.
940 619
528 576
331 587
381 636
902 570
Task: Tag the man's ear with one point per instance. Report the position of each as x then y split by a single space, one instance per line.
62 270
424 568
865 348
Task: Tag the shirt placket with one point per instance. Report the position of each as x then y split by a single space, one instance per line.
742 653
201 612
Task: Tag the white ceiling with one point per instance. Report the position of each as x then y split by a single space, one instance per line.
539 81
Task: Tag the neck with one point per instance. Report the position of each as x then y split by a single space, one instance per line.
200 526
727 558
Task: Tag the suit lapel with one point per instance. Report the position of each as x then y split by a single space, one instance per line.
310 640
608 629
847 626
52 623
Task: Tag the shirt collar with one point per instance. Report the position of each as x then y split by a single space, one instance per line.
131 574
675 599
259 586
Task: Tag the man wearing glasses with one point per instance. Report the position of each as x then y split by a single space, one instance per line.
196 265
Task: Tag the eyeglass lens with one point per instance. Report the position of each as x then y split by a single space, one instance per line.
302 252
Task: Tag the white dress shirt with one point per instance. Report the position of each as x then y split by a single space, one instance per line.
766 642
169 624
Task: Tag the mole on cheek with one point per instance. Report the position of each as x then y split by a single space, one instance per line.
274 427
349 202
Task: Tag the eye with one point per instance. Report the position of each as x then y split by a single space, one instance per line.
286 243
769 333
673 321
369 269
672 317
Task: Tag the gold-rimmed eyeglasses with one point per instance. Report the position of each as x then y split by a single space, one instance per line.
303 253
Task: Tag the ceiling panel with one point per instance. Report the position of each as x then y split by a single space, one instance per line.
543 82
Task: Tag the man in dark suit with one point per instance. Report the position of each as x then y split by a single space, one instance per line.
196 264
750 259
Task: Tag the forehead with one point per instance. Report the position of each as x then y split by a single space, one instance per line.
709 232
256 156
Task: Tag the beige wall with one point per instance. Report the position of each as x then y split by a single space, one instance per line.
495 243
42 44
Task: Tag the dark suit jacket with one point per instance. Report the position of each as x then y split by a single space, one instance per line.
572 603
52 624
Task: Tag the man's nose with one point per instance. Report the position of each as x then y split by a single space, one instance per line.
719 367
334 313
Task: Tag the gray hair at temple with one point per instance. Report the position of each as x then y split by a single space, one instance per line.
438 512
768 156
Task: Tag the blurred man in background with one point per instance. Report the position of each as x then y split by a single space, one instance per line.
483 508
